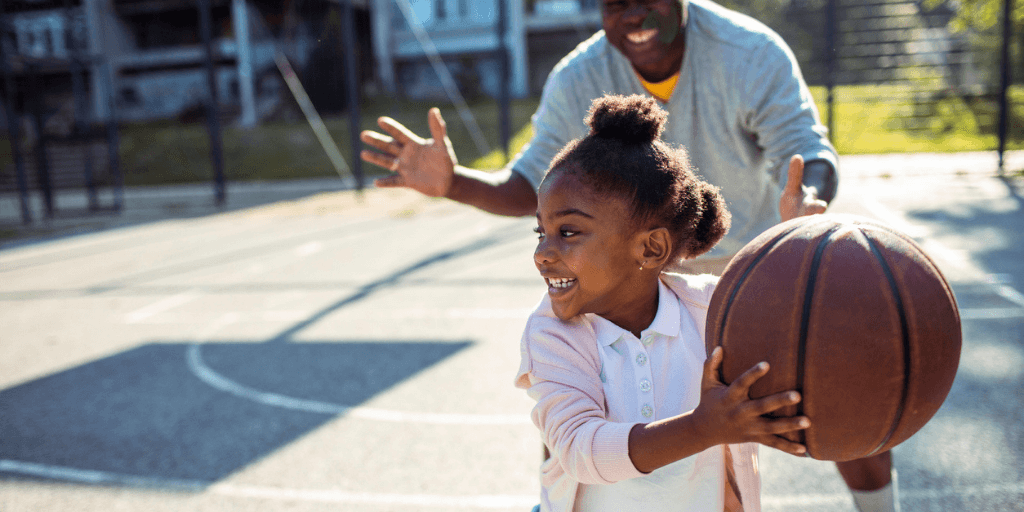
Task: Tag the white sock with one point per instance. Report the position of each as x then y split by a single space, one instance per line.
886 499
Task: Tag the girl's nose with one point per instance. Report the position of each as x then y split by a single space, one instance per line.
544 254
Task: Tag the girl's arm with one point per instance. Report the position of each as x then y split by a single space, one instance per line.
573 425
725 415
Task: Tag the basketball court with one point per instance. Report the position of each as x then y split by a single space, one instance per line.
324 353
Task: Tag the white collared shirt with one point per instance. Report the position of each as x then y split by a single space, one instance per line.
585 419
655 377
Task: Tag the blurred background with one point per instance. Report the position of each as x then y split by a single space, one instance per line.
197 311
103 94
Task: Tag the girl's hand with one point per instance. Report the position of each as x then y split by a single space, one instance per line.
727 415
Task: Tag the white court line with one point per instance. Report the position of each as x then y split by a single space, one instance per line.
218 381
522 501
297 315
89 476
991 313
1007 292
480 501
308 249
160 306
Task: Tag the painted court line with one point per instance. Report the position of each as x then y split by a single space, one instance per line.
991 313
89 476
160 306
222 383
480 501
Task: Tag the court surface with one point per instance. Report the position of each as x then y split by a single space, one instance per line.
323 353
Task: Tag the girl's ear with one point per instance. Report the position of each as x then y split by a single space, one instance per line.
654 247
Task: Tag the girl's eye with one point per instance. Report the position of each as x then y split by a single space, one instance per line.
566 233
540 233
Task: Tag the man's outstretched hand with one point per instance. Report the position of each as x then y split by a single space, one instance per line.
797 199
424 165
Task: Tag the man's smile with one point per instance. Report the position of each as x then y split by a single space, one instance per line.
642 36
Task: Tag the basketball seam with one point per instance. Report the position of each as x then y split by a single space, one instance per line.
920 251
739 282
906 343
805 318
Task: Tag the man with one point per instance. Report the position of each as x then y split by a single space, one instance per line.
736 100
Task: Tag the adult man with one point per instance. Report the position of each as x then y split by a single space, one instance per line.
736 100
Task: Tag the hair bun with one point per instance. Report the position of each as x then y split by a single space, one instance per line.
633 119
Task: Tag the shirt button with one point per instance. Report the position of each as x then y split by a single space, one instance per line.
641 359
647 411
648 340
645 385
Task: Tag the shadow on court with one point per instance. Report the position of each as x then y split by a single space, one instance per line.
148 415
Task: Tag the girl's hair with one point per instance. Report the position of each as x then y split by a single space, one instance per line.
623 156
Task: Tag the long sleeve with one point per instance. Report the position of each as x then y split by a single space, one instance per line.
563 375
779 109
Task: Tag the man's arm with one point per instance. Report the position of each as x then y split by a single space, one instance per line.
430 167
503 192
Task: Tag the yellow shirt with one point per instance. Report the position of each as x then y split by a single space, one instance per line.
661 90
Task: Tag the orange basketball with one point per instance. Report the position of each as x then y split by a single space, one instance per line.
851 313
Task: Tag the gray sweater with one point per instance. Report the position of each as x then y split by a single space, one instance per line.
741 109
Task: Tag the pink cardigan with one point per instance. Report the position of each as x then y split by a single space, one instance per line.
560 367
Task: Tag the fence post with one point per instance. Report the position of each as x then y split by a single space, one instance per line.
212 107
830 65
13 128
505 124
1004 107
348 38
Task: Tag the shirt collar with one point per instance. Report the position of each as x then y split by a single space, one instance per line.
666 320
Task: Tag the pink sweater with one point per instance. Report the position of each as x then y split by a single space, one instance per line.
560 367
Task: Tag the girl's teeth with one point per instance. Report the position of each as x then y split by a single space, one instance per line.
560 282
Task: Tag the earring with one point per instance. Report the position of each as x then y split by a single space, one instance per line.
642 264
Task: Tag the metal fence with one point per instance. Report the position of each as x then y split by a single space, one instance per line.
935 66
55 141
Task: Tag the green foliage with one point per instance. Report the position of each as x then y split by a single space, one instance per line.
979 15
869 119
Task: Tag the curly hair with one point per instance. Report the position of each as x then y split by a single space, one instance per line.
623 156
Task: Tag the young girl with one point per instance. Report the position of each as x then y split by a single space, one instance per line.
629 405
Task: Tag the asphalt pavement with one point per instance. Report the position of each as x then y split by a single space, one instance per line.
307 347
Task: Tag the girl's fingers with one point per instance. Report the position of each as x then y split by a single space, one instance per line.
741 386
783 425
783 444
772 403
711 367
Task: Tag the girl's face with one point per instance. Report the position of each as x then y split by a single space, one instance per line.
587 251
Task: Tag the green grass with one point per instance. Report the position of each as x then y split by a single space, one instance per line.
870 119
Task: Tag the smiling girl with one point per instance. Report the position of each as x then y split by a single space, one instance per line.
627 401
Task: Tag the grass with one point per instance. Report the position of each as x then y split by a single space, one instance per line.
869 119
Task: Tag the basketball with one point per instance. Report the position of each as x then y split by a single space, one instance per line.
851 313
